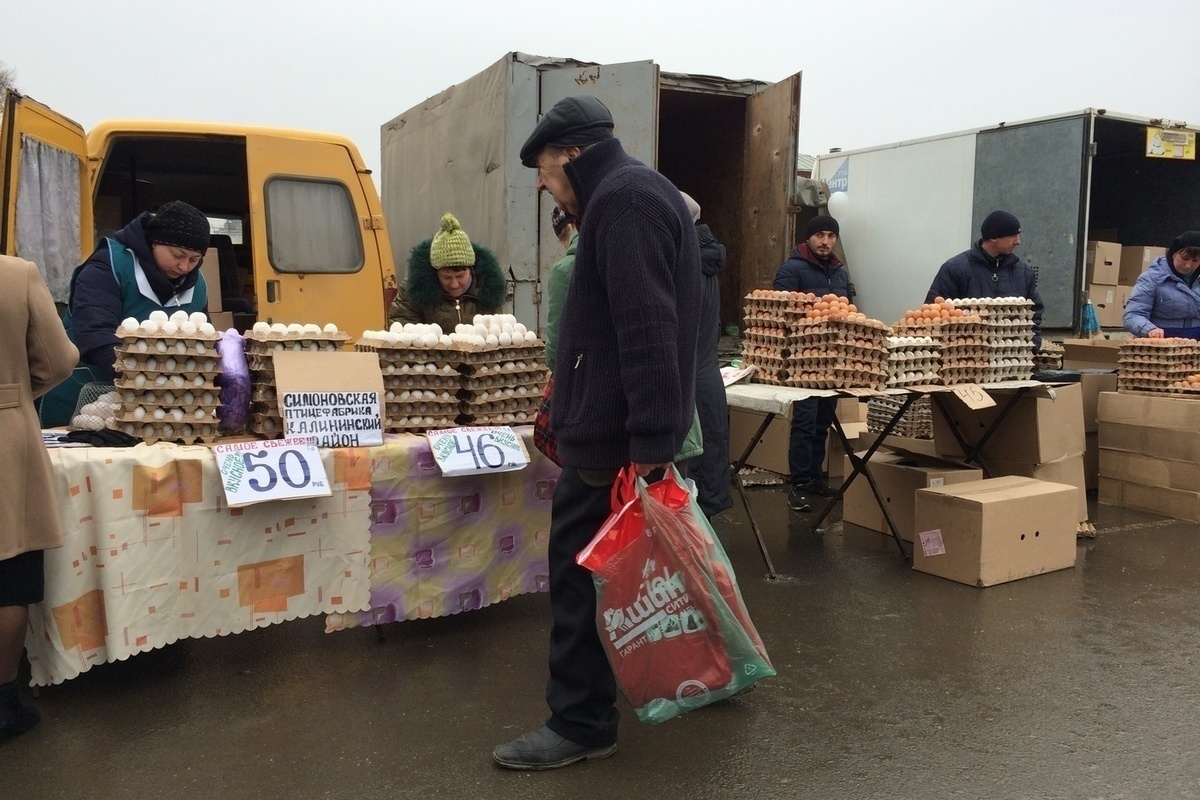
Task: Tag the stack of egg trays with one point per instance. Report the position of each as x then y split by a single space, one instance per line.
912 361
260 348
420 385
917 422
1154 364
504 385
811 355
772 323
963 351
861 348
167 386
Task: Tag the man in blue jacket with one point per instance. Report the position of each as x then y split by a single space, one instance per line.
624 392
814 268
991 269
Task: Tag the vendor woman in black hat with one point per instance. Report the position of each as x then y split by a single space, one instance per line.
152 264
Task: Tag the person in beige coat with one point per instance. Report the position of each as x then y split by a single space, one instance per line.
28 510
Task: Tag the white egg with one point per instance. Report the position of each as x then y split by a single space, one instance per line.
157 316
201 347
530 337
197 318
159 413
207 398
396 327
279 327
406 338
142 346
492 340
188 328
435 329
160 346
150 326
330 328
505 339
519 329
139 413
311 328
186 430
169 365
181 347
198 413
177 414
391 338
261 327
188 398
179 316
444 340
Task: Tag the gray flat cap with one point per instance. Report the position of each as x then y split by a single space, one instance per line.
572 122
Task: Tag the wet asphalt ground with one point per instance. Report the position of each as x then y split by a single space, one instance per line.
892 684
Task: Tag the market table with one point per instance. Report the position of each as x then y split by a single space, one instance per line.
772 401
153 553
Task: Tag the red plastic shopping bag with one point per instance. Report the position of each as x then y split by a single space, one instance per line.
668 630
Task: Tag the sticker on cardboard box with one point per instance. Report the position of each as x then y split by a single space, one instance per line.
931 543
937 483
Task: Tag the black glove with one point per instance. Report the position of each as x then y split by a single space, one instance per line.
102 438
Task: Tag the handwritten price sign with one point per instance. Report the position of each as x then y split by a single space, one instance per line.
466 451
973 396
280 469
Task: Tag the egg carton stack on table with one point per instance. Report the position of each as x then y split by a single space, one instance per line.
503 372
838 347
421 376
917 422
167 370
912 361
960 337
261 343
773 319
1008 336
1159 365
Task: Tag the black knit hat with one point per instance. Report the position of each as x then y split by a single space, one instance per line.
1182 242
572 122
179 225
824 222
999 224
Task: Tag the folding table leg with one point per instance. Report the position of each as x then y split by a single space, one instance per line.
740 488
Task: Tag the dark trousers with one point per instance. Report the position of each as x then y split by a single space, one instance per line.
810 428
582 691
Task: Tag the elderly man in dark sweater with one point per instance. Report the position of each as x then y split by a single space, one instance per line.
623 392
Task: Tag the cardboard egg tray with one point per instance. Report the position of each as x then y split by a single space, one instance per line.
766 337
917 422
775 376
500 418
267 339
434 382
265 423
489 407
418 423
776 303
186 433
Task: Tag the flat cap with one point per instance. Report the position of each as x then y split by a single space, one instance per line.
572 122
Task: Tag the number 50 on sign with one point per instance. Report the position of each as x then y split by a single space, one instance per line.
281 469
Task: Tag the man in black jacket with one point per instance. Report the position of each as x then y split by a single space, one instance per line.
990 269
813 268
624 392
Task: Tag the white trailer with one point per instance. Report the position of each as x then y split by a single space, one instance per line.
911 205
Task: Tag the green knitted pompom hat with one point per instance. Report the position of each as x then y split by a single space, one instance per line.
451 246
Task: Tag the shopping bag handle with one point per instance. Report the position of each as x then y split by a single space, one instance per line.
624 488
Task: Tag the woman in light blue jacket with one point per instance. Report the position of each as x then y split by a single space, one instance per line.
1166 298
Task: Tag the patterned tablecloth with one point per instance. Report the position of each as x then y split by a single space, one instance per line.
153 554
444 545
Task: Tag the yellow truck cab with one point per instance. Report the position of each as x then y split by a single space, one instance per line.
298 232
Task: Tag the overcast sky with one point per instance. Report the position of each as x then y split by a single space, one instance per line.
875 71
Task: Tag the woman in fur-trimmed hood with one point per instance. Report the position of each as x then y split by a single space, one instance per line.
450 280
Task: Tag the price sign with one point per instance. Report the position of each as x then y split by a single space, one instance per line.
973 396
279 469
465 451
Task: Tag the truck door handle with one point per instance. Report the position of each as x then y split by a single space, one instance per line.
272 291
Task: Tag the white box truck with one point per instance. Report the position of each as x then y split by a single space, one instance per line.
731 144
1085 175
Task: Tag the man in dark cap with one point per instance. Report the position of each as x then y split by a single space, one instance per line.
991 269
623 392
813 267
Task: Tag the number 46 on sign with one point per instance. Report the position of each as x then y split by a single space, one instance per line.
464 451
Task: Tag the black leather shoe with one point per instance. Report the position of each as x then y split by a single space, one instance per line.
545 749
14 717
798 500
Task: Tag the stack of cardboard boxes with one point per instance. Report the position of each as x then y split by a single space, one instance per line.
1112 270
1150 454
772 450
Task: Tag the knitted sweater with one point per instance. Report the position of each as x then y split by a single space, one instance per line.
624 389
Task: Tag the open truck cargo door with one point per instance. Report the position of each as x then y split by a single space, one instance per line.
1039 172
315 235
630 90
772 133
45 191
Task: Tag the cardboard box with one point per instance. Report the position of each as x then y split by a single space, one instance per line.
1091 461
771 453
898 478
1106 300
1136 260
1166 411
1173 503
1149 470
1090 353
1068 470
1102 263
1091 384
1173 445
1036 430
221 320
993 531
851 409
210 268
772 450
